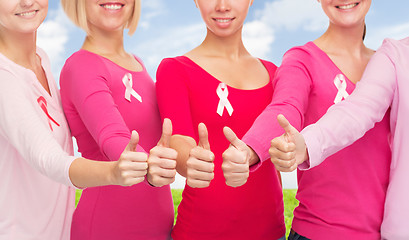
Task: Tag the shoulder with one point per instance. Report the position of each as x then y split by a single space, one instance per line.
13 86
175 65
11 75
84 60
393 48
306 57
269 65
301 53
83 63
139 60
44 57
8 77
179 61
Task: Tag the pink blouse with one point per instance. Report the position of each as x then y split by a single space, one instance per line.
337 201
103 102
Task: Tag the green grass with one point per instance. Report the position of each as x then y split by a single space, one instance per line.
289 204
177 197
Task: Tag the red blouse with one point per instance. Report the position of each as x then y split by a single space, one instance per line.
187 94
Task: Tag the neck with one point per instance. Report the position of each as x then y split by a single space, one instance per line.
19 47
105 43
342 40
230 47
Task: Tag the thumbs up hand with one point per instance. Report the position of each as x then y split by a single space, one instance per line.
235 160
200 166
132 166
289 150
162 159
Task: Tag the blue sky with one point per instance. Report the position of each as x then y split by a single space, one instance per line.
172 27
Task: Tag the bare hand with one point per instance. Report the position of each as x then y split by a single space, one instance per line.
162 159
235 160
132 166
289 150
200 166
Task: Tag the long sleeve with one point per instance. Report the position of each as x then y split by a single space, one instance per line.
173 97
348 120
23 127
292 85
85 83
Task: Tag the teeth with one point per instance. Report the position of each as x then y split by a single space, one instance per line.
349 6
112 6
26 14
223 20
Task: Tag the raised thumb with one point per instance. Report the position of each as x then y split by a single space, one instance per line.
233 139
133 142
164 140
203 136
288 128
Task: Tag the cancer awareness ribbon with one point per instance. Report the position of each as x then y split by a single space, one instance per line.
43 104
127 80
223 92
341 85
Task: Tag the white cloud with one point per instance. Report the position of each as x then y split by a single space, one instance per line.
150 10
52 36
294 15
258 38
278 16
172 42
377 35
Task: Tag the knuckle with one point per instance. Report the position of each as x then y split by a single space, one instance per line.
153 171
226 154
272 151
152 151
193 151
190 162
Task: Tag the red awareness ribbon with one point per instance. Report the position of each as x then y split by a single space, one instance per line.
43 104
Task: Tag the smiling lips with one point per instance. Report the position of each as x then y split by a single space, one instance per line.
223 20
348 6
112 6
27 13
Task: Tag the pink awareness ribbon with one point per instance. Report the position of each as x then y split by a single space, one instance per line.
223 93
43 104
341 85
129 91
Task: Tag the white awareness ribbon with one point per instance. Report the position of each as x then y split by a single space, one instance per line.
223 93
127 80
341 85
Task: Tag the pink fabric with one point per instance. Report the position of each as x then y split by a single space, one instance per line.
343 198
36 194
187 95
382 87
101 119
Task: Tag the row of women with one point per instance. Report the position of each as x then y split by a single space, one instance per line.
219 118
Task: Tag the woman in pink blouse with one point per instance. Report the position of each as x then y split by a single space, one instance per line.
335 200
220 84
107 92
382 87
38 171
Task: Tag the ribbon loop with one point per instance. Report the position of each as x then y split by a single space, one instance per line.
129 91
43 105
341 85
223 93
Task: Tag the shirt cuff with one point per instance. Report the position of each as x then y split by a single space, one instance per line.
254 144
68 182
313 148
